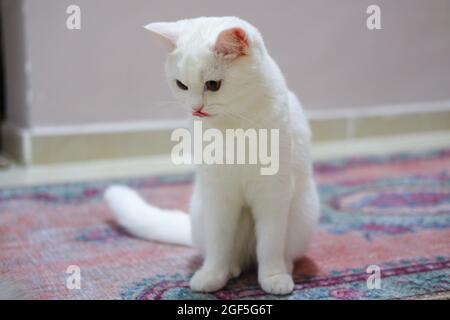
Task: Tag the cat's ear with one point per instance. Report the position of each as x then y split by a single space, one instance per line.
167 31
232 43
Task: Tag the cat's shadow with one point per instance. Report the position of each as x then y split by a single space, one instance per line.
305 267
115 227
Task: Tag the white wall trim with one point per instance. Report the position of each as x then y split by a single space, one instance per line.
378 111
112 127
315 114
25 142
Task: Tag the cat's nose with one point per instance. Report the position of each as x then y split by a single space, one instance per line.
197 108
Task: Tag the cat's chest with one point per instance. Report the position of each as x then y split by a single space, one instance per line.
222 173
233 180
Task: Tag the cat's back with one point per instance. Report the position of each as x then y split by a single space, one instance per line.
298 121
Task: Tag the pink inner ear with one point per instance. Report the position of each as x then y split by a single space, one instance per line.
232 43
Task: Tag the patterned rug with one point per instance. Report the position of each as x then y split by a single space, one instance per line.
391 213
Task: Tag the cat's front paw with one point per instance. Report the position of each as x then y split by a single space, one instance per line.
208 280
278 284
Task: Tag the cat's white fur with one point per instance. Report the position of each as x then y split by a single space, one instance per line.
237 216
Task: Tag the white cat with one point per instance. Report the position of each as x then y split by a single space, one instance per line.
220 69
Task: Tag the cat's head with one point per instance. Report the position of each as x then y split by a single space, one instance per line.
213 65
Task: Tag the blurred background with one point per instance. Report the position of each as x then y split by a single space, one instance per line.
83 109
100 92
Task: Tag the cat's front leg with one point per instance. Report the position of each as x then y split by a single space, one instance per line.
220 221
271 215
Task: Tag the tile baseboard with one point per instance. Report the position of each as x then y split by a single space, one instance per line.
115 141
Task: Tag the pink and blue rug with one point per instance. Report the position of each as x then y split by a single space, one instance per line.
392 212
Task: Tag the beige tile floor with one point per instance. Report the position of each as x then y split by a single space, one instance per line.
16 175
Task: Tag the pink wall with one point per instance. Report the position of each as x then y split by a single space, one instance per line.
112 69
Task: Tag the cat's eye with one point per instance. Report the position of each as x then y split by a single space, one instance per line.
181 85
213 85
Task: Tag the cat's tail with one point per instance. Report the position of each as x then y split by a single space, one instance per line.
146 221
